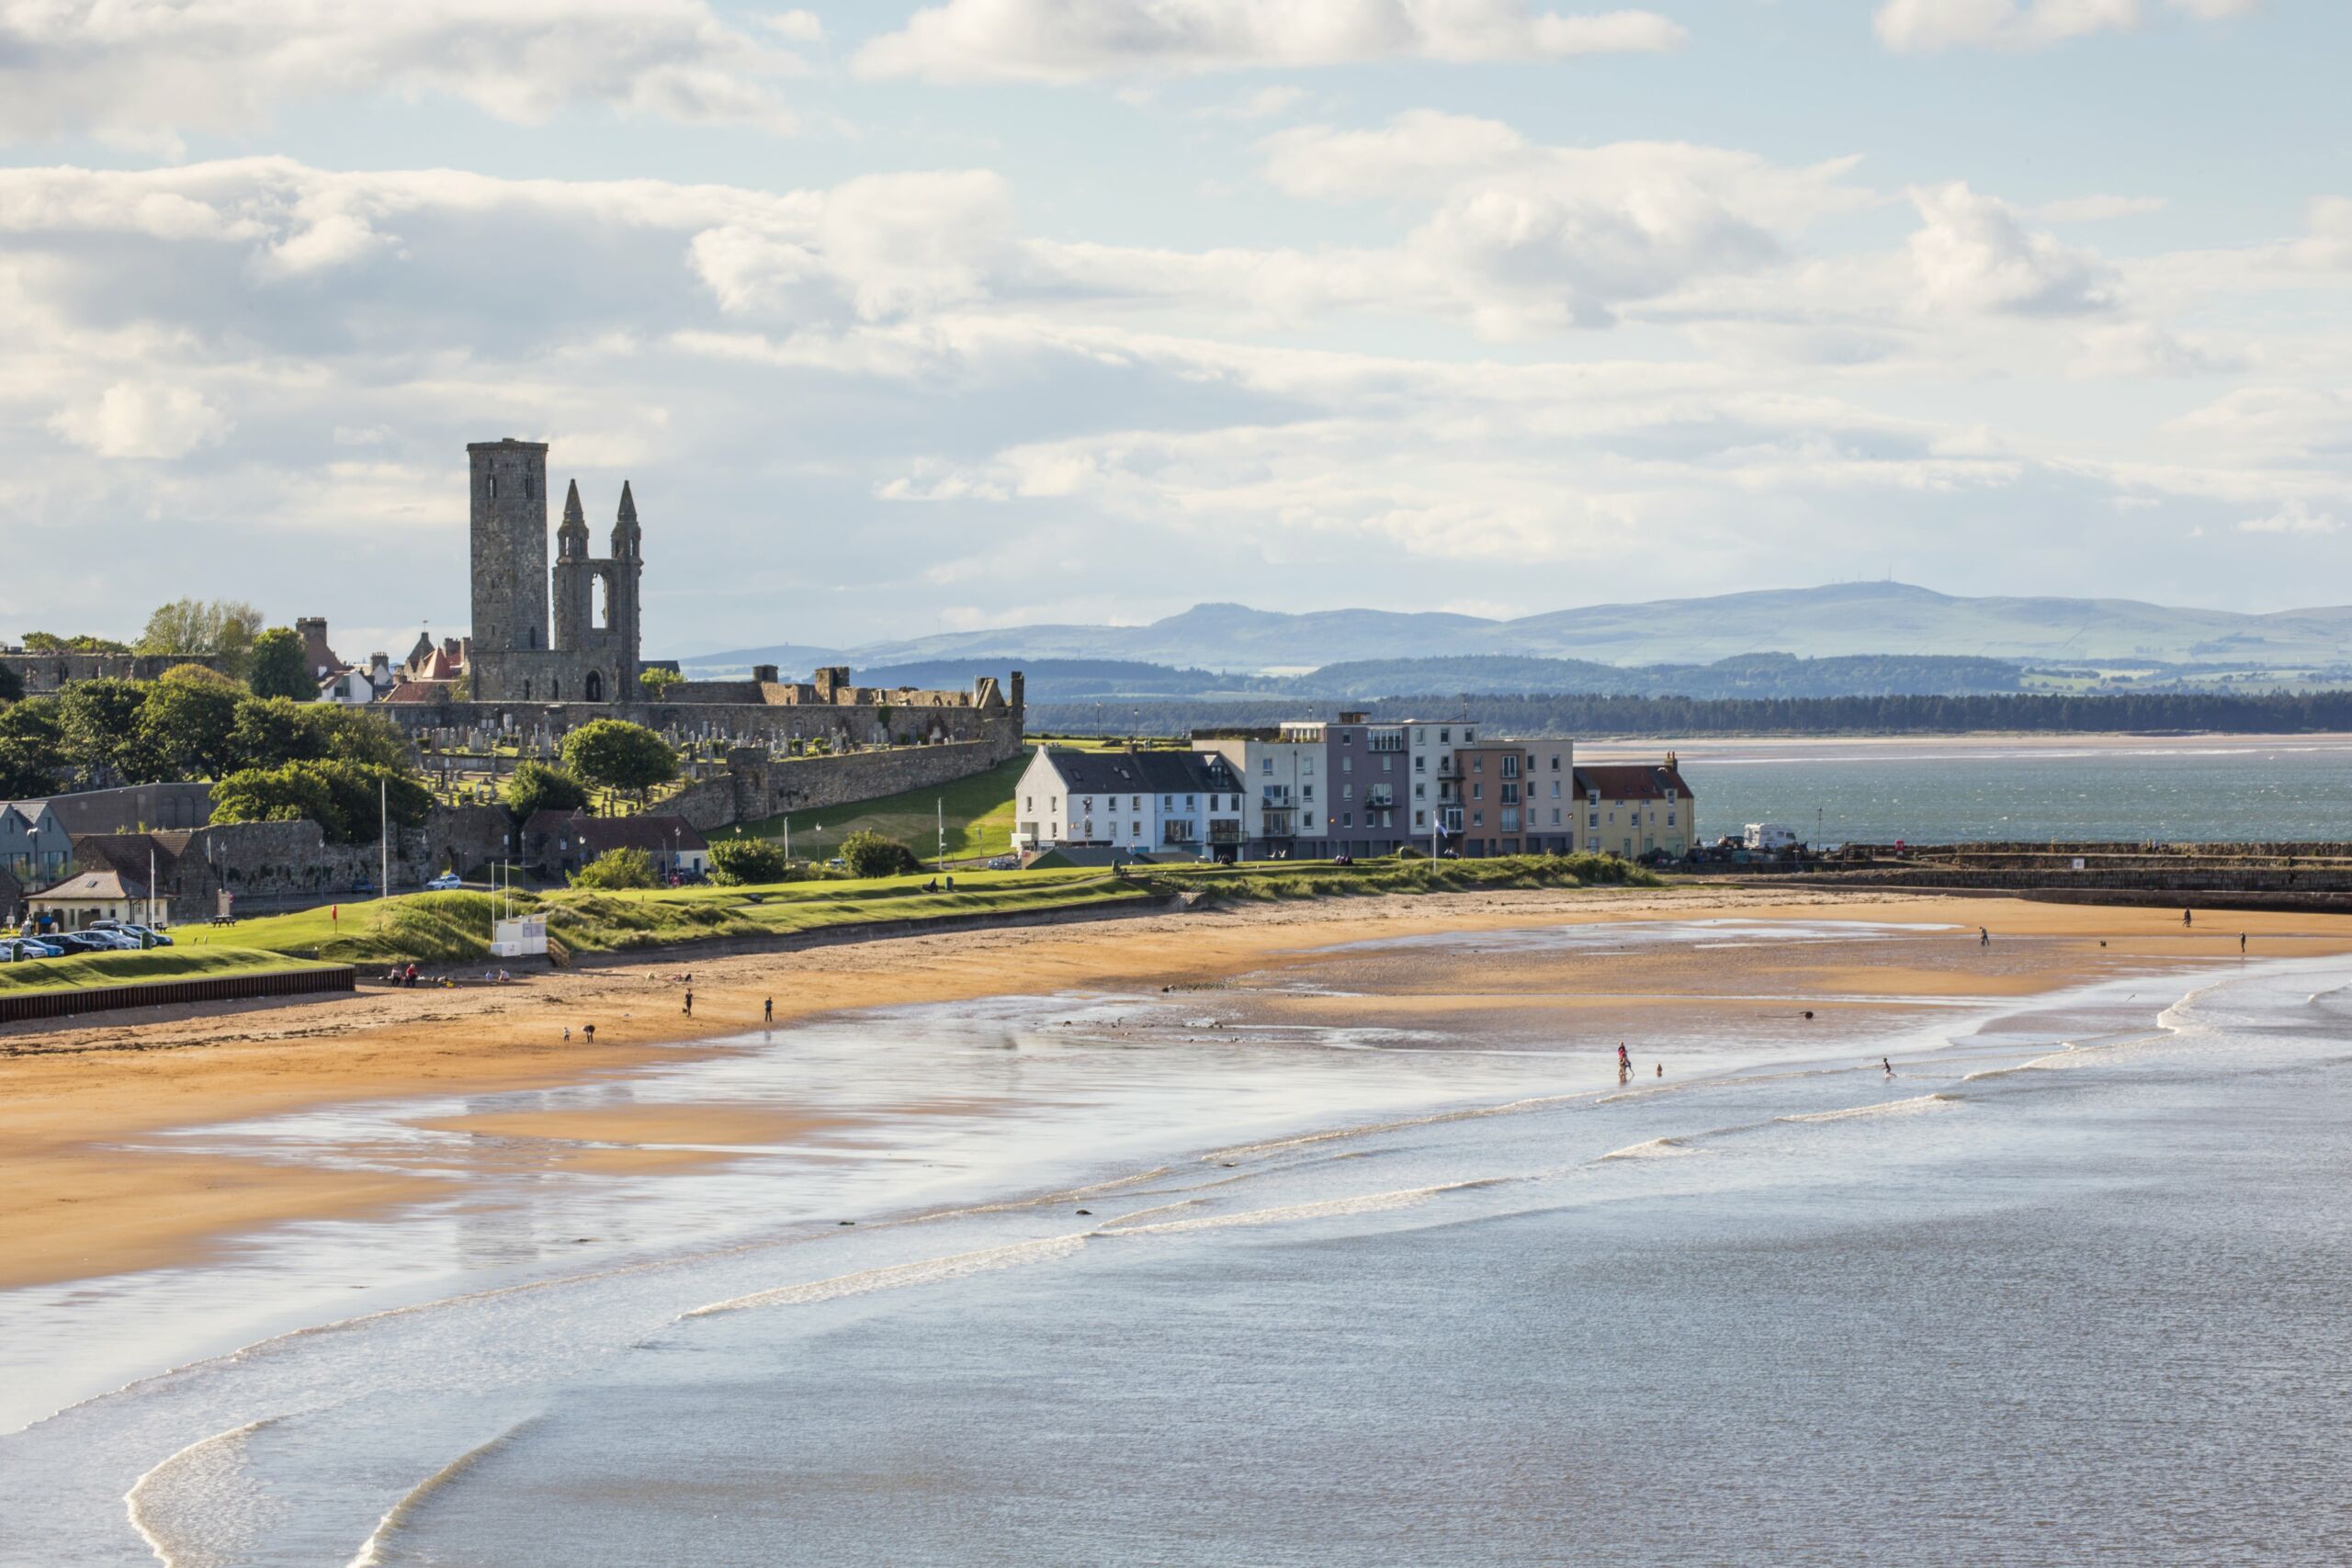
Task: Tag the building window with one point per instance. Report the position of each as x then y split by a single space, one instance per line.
1477 764
1477 792
1348 819
1028 803
1669 819
1306 764
1266 766
1347 764
1510 766
1469 738
1555 762
1420 819
1307 792
1420 791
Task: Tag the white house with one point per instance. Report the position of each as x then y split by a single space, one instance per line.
1143 802
356 686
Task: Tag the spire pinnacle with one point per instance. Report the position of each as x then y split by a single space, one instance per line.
571 512
628 505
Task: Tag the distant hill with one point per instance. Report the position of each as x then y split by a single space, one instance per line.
1837 620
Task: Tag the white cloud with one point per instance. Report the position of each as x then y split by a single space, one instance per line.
140 71
128 419
1973 252
1052 41
2144 349
1914 26
2295 517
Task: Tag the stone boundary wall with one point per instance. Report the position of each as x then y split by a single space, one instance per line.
269 861
844 724
43 673
757 787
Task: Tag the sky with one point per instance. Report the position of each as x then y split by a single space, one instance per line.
909 318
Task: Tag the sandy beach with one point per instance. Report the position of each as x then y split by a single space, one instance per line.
85 1206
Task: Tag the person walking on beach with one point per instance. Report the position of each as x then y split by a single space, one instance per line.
1983 937
690 1004
2188 919
1624 1063
588 1032
767 1010
1888 1065
2241 944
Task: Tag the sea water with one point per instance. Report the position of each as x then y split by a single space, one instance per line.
2194 789
2068 1288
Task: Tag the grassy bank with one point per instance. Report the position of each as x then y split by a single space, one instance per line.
978 812
189 963
1319 879
454 927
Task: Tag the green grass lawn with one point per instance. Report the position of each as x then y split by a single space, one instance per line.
186 961
979 811
455 927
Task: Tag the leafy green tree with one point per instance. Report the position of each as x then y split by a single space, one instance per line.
279 668
617 754
203 629
618 868
746 862
83 642
868 854
44 642
357 734
657 683
273 731
291 794
341 798
534 787
98 722
189 724
32 754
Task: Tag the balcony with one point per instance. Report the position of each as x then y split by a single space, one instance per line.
1225 833
1275 795
1178 833
1280 824
1380 796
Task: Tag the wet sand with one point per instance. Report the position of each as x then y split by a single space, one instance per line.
84 1206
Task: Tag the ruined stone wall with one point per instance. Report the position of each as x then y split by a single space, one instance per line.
757 787
841 724
44 674
264 862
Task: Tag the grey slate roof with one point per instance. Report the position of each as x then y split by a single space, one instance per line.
1143 773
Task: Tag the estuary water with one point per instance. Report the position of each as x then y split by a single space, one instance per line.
1934 790
2069 1287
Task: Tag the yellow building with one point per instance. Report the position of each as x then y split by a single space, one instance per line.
1632 809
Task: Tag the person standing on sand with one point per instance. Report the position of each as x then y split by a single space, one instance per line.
1624 1063
767 1010
2241 944
690 1004
1983 937
588 1032
2188 919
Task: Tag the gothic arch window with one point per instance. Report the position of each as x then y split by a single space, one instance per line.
555 689
531 637
527 691
493 487
530 490
595 686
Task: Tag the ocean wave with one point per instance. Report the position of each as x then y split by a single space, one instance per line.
1327 1208
190 1509
1372 1129
897 1275
1915 1106
1656 1148
371 1550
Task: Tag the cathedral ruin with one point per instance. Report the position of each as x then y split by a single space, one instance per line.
591 646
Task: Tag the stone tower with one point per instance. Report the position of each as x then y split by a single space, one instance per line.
510 546
574 575
624 584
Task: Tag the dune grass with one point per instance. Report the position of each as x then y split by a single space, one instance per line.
979 811
184 963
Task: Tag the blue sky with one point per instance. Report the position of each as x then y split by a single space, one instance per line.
907 318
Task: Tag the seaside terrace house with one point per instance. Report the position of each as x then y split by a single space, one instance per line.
1632 809
1143 802
36 846
557 843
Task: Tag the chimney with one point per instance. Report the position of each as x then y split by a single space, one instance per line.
764 674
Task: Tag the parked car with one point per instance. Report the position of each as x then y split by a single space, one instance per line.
75 943
363 885
447 882
1005 863
132 929
36 947
112 940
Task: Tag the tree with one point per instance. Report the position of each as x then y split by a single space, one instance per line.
189 724
44 642
32 757
618 868
99 724
215 628
657 683
280 667
868 854
341 798
534 787
273 731
745 862
356 734
617 754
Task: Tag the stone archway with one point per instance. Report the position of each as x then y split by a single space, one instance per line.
595 689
